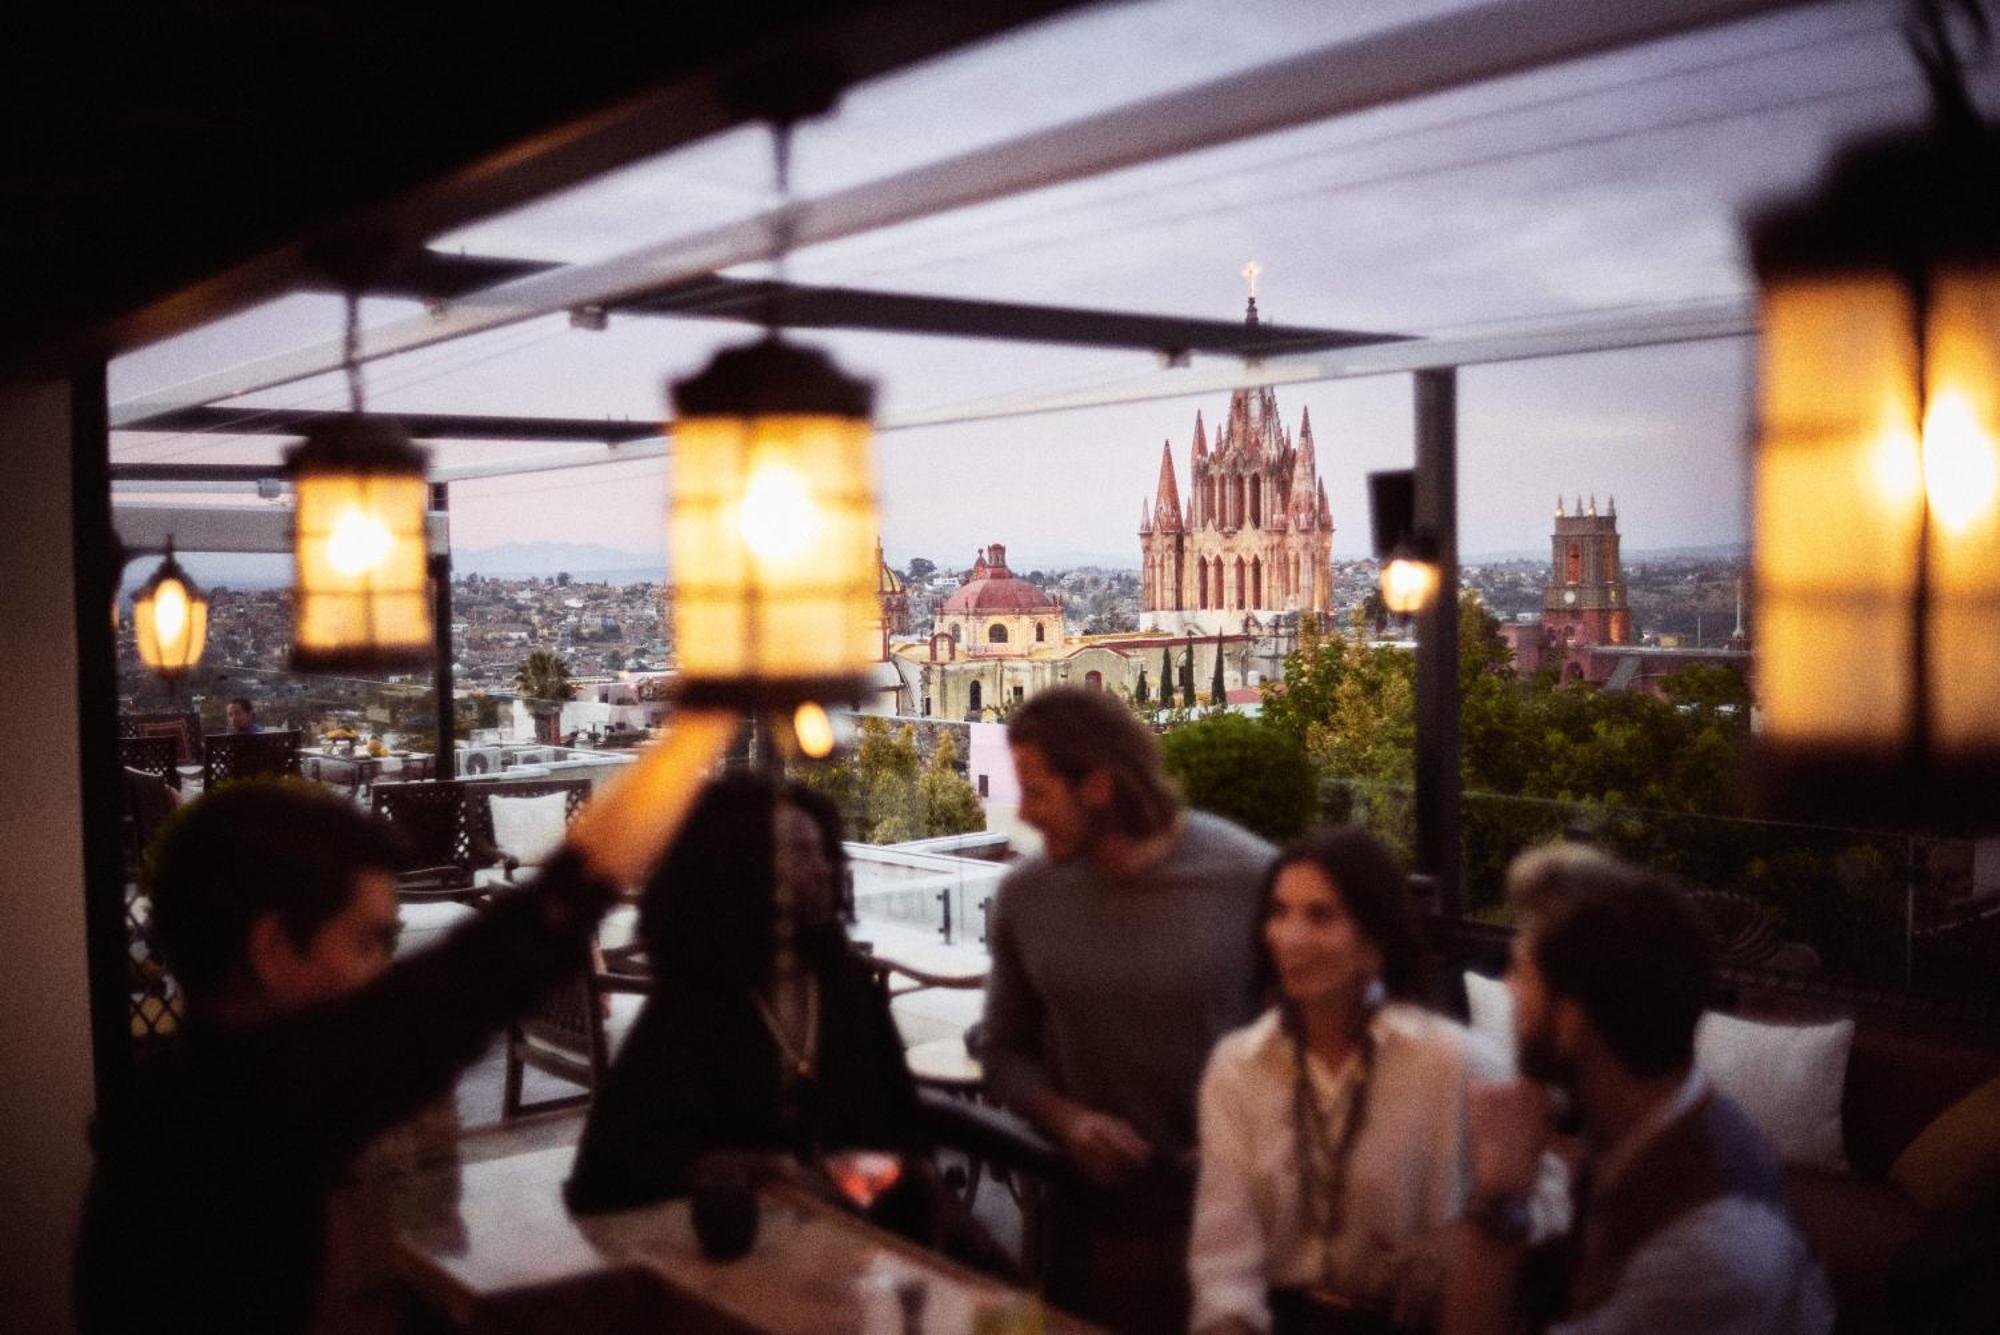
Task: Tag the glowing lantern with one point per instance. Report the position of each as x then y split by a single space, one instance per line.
362 578
772 531
1877 528
170 620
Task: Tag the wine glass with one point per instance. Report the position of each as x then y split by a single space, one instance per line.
863 1175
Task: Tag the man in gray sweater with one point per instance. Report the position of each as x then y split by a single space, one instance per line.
1120 955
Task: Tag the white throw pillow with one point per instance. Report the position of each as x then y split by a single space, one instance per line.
1491 1006
1788 1077
529 828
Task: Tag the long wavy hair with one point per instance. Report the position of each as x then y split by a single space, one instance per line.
708 916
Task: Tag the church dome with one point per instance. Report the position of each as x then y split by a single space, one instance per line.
993 590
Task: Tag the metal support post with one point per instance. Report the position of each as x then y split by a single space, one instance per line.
444 763
1439 853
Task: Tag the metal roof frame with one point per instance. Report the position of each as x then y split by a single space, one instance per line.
1417 59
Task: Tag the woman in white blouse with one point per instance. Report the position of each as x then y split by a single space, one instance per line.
1333 1145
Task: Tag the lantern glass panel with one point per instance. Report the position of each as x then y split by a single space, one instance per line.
170 627
363 573
1839 505
773 545
1962 477
1408 586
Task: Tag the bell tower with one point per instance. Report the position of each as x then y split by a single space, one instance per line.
1584 601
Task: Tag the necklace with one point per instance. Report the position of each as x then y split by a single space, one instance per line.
1323 1162
797 1057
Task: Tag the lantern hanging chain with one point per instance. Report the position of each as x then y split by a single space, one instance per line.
784 221
1928 34
351 350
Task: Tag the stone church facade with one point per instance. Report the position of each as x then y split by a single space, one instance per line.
1254 537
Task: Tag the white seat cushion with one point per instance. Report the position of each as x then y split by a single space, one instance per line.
1788 1077
529 829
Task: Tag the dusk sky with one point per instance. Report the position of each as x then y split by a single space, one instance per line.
1607 185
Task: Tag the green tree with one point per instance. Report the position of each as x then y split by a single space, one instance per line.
921 569
1245 770
950 804
543 677
1218 689
1187 677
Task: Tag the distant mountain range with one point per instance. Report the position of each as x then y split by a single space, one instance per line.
543 560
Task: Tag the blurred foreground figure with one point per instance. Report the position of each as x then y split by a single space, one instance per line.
727 1056
1333 1133
275 904
1120 955
1682 1225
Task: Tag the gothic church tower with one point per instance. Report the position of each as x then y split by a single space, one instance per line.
1585 601
1255 534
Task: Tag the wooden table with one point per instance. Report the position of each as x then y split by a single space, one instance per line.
491 1247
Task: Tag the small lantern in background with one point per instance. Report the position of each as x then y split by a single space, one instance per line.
362 575
773 529
1408 555
1877 475
170 619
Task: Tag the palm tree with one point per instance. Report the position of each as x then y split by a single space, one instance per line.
544 676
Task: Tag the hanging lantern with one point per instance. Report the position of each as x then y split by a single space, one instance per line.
361 561
1407 553
772 531
170 619
1877 476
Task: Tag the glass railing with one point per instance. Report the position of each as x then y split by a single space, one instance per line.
1875 907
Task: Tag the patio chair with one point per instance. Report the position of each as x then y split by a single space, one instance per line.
248 755
439 851
563 1033
154 755
183 726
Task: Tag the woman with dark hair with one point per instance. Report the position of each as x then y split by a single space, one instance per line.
731 1053
1333 1145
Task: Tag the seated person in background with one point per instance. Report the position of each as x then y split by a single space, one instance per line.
242 715
1684 1227
725 1056
1333 1133
274 902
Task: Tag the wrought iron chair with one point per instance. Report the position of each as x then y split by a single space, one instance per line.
564 1035
154 755
248 755
183 726
439 852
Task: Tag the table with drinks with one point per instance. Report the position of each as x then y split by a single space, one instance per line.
490 1248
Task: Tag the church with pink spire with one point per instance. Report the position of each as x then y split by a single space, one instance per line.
1253 537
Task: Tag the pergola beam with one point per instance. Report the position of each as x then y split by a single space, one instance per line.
439 278
421 426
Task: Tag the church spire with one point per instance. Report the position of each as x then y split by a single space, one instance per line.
1325 510
1250 272
1200 451
1167 501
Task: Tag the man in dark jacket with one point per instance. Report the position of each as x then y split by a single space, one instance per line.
275 905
